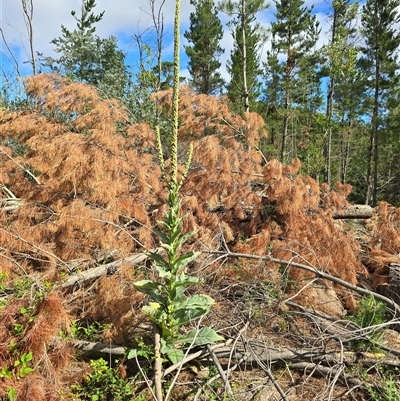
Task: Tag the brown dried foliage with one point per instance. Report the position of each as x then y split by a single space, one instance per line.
40 335
384 246
100 190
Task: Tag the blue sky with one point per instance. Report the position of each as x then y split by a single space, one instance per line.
122 18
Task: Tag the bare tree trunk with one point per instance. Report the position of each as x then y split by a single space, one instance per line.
285 130
158 22
244 53
289 67
27 6
329 104
345 161
368 178
372 167
375 134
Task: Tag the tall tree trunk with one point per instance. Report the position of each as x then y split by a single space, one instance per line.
375 133
368 178
27 6
344 152
328 144
244 53
372 168
329 104
289 67
285 130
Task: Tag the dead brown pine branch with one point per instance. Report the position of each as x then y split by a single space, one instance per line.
36 247
25 170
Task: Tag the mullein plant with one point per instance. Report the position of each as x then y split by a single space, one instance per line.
170 308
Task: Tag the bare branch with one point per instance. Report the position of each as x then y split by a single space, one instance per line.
220 370
105 269
14 60
27 6
25 170
318 273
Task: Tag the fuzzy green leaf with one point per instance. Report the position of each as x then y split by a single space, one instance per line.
174 354
196 301
186 237
183 280
171 249
156 315
148 284
164 237
185 259
163 273
158 259
191 308
205 335
152 289
178 293
133 353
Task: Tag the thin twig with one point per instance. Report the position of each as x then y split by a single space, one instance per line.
25 170
148 382
195 355
317 272
220 370
267 370
181 366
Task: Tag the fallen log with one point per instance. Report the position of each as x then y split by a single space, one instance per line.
106 269
222 351
354 212
98 348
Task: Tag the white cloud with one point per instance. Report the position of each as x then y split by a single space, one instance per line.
122 18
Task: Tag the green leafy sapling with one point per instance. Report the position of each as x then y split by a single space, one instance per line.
170 308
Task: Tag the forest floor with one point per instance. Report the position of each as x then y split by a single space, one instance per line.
275 349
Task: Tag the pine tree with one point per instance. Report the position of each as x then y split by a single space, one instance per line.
379 65
204 35
340 62
87 58
244 64
294 34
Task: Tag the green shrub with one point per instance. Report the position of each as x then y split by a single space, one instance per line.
370 312
101 384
